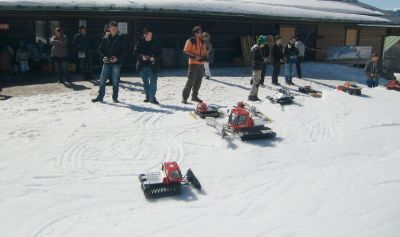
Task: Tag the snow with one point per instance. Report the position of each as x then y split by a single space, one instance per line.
69 167
314 9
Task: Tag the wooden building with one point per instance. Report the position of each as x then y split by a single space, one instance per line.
321 26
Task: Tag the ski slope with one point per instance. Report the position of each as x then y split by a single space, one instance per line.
68 167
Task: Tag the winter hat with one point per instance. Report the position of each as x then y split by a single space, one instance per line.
261 40
147 29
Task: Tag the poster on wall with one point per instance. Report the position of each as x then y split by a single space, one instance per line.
123 28
347 53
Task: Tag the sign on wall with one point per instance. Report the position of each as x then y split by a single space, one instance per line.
123 27
345 53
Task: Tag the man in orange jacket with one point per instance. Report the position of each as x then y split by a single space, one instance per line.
196 51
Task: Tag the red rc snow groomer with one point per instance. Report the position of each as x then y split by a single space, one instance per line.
167 182
350 87
393 85
241 124
204 111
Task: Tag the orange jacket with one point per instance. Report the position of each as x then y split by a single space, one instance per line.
195 47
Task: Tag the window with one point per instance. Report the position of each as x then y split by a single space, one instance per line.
287 32
351 37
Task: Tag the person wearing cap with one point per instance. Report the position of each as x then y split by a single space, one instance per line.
290 53
373 70
258 62
277 59
148 53
59 53
196 50
113 50
302 49
81 46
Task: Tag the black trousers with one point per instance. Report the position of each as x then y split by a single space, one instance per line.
263 72
195 77
276 70
298 66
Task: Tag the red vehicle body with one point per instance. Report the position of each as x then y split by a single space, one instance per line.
172 172
240 118
393 85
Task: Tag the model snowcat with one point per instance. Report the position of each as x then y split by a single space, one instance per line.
393 85
204 111
310 91
350 87
167 182
283 97
241 124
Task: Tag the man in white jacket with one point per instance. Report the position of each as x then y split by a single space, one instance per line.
302 49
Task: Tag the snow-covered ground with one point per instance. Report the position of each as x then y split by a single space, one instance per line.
68 168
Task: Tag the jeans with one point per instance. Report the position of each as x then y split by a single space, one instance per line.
289 69
263 72
24 66
372 82
110 71
149 78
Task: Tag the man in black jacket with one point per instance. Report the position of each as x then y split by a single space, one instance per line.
291 53
113 50
81 46
258 62
148 54
277 59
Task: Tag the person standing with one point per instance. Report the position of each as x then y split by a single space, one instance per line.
196 51
302 49
373 70
277 59
210 54
290 53
148 54
266 53
59 53
81 45
22 57
258 61
113 51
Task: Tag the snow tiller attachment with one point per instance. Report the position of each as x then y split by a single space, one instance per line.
204 111
167 182
350 87
393 85
283 97
310 91
242 126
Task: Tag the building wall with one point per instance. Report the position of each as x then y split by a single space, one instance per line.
372 36
327 36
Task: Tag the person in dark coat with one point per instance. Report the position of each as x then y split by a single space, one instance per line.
113 50
266 53
81 45
291 53
59 53
258 62
373 70
148 54
277 59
